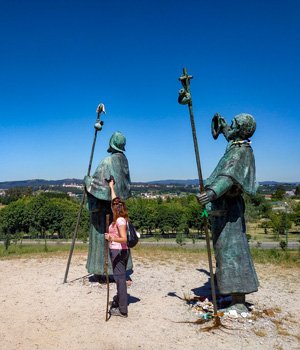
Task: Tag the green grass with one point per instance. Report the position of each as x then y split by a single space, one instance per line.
168 253
289 258
28 250
258 234
276 256
263 256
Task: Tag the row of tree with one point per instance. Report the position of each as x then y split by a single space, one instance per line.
55 214
42 216
278 222
170 216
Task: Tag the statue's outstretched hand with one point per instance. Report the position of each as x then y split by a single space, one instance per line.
111 182
206 197
221 121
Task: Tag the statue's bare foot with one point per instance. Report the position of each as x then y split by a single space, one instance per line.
238 304
238 307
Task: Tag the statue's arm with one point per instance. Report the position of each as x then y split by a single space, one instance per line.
216 189
87 181
97 184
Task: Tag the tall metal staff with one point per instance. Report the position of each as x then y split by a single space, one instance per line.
186 98
107 219
98 127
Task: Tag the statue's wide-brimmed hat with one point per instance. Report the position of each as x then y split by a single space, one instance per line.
247 125
117 142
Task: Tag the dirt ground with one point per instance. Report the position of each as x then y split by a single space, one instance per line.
38 311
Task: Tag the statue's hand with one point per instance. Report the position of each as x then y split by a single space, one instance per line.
111 182
206 197
221 121
87 180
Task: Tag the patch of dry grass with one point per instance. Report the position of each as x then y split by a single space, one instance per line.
160 253
297 336
40 253
279 323
260 332
282 331
278 347
168 254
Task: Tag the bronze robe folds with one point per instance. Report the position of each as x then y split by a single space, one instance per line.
234 174
99 204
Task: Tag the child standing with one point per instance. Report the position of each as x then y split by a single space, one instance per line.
119 253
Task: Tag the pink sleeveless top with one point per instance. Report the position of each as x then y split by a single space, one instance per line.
113 230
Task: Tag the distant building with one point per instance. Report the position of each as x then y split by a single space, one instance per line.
290 193
73 185
280 207
71 194
267 196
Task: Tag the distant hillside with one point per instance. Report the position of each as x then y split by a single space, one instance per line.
275 183
196 182
36 183
175 182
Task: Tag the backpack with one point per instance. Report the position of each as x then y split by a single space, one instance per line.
132 236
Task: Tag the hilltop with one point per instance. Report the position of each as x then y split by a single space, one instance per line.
36 183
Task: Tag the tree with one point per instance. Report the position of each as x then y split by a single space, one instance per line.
179 238
280 223
41 213
57 195
151 216
265 209
48 214
295 217
279 194
137 212
7 225
159 200
70 212
57 215
14 219
174 216
15 193
193 216
266 224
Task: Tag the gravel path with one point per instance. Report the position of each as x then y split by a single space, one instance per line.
38 311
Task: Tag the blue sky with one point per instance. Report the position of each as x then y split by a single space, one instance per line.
60 58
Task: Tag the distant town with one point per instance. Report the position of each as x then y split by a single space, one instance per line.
169 206
155 189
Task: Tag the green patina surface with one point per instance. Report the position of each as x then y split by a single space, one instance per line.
234 174
99 201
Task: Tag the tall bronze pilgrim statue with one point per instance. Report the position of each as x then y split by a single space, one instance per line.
234 174
99 199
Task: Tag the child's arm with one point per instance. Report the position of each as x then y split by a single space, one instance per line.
112 188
